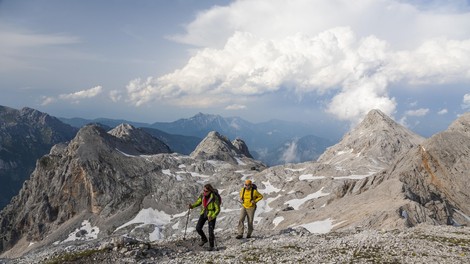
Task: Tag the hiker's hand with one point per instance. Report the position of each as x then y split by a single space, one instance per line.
253 202
210 218
241 200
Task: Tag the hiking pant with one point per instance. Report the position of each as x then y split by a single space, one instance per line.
246 212
200 224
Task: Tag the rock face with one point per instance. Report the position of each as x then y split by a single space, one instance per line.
25 136
436 177
140 141
218 147
373 145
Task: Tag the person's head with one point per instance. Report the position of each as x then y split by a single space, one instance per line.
208 189
248 184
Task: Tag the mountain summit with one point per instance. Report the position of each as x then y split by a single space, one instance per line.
371 146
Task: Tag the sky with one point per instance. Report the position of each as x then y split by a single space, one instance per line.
300 60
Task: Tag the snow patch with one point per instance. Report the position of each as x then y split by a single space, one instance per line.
269 188
150 216
308 177
319 227
84 232
277 221
296 203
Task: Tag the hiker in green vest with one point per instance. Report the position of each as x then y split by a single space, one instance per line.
209 211
249 196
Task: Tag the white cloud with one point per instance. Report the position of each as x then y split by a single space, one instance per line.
399 22
443 111
254 48
73 97
417 112
466 101
92 92
17 45
115 95
47 100
235 107
290 154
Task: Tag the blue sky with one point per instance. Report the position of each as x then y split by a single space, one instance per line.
304 60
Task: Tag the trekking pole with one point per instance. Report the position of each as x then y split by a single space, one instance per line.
186 225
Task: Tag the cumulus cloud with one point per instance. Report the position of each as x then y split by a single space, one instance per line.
73 97
89 93
466 101
248 53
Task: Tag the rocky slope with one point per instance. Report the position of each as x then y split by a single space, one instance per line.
25 136
105 181
91 189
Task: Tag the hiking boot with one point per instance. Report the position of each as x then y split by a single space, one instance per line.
202 243
211 249
248 236
239 237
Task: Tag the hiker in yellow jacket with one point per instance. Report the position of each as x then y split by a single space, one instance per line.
249 196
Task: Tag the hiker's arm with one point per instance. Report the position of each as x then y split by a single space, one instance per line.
197 203
258 196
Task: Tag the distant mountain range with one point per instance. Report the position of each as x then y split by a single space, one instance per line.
28 134
274 142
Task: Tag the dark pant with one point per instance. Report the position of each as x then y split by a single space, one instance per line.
200 223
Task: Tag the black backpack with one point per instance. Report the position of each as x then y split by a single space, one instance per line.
216 192
253 187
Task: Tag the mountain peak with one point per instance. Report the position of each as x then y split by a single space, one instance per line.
372 145
218 147
143 142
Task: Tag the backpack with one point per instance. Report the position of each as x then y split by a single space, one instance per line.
253 187
219 198
216 192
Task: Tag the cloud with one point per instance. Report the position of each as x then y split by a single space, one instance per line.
92 92
47 100
466 101
290 153
235 107
73 97
256 48
401 23
115 95
417 112
443 111
17 45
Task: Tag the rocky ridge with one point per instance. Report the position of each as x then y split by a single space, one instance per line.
25 136
329 197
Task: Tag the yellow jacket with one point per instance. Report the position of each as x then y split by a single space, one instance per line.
213 207
247 197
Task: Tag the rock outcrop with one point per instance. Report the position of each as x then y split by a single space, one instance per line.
25 136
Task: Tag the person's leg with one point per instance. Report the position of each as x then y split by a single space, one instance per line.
251 215
241 222
200 223
211 233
